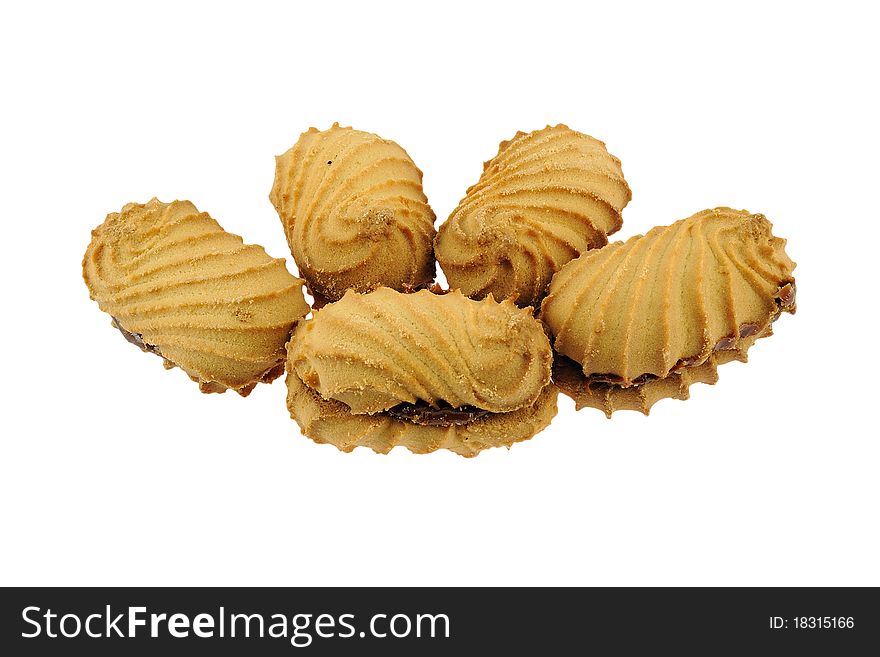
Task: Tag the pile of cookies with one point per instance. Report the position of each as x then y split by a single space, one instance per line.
538 301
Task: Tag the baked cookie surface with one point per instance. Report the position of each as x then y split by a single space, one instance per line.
354 213
545 198
642 319
423 370
179 286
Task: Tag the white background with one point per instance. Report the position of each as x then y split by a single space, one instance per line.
114 471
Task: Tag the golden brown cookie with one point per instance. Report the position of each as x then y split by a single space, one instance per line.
547 197
354 213
178 285
643 319
422 370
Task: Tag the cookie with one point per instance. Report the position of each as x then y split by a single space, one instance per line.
354 213
423 370
641 320
179 286
545 198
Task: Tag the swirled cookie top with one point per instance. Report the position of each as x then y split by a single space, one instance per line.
673 296
545 198
354 212
171 276
375 351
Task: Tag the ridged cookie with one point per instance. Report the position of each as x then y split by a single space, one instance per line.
178 285
691 295
547 197
423 370
354 213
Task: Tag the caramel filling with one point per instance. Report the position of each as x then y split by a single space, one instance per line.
443 416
